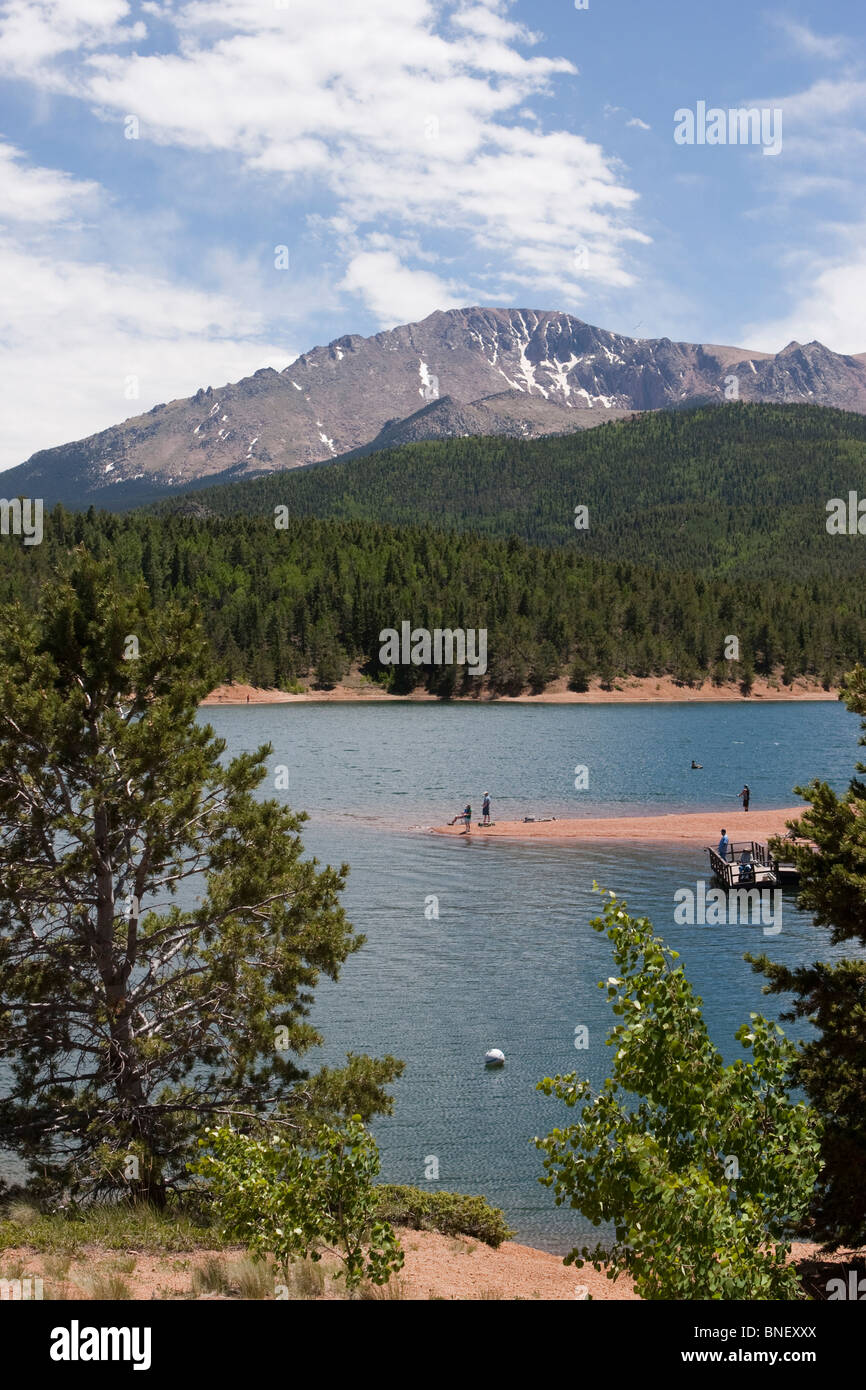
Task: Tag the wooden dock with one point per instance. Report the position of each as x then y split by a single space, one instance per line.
763 871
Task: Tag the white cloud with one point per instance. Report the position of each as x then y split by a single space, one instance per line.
805 40
72 331
34 32
825 101
71 335
491 22
401 112
30 194
831 306
621 111
819 255
394 293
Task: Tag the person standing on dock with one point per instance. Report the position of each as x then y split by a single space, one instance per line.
745 794
723 845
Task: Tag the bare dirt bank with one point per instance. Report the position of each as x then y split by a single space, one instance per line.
649 690
700 827
436 1267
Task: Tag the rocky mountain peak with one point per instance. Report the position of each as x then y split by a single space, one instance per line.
520 372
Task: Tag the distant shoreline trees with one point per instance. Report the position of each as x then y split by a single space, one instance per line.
308 602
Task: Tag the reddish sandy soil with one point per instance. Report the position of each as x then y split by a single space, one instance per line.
700 827
651 690
436 1266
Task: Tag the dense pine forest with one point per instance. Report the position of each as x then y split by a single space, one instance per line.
702 525
305 602
737 489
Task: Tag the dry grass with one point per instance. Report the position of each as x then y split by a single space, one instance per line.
57 1266
251 1279
22 1214
106 1286
307 1279
210 1277
382 1293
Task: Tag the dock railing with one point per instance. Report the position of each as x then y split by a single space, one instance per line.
767 869
759 852
722 868
728 870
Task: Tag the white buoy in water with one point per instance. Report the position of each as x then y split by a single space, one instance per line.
494 1058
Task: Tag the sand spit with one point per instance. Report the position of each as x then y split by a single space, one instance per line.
697 827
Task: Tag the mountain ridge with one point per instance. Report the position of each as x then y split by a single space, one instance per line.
521 373
724 488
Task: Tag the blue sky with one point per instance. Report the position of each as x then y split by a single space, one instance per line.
410 156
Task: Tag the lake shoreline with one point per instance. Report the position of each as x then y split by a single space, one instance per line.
631 690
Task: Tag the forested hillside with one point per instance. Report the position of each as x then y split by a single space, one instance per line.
737 489
307 601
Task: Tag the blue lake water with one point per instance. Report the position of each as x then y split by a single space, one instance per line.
511 961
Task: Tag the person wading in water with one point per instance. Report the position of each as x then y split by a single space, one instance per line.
745 794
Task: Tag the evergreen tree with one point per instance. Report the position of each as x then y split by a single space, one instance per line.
831 1067
132 1012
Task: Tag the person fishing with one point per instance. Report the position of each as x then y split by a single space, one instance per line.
465 815
485 809
745 794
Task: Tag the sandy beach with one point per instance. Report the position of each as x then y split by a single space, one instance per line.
629 690
696 827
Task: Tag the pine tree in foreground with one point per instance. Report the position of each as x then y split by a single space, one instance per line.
831 1065
160 932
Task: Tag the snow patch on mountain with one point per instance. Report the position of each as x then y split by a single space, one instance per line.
429 387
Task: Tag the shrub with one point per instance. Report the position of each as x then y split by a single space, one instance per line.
451 1213
704 1169
287 1201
